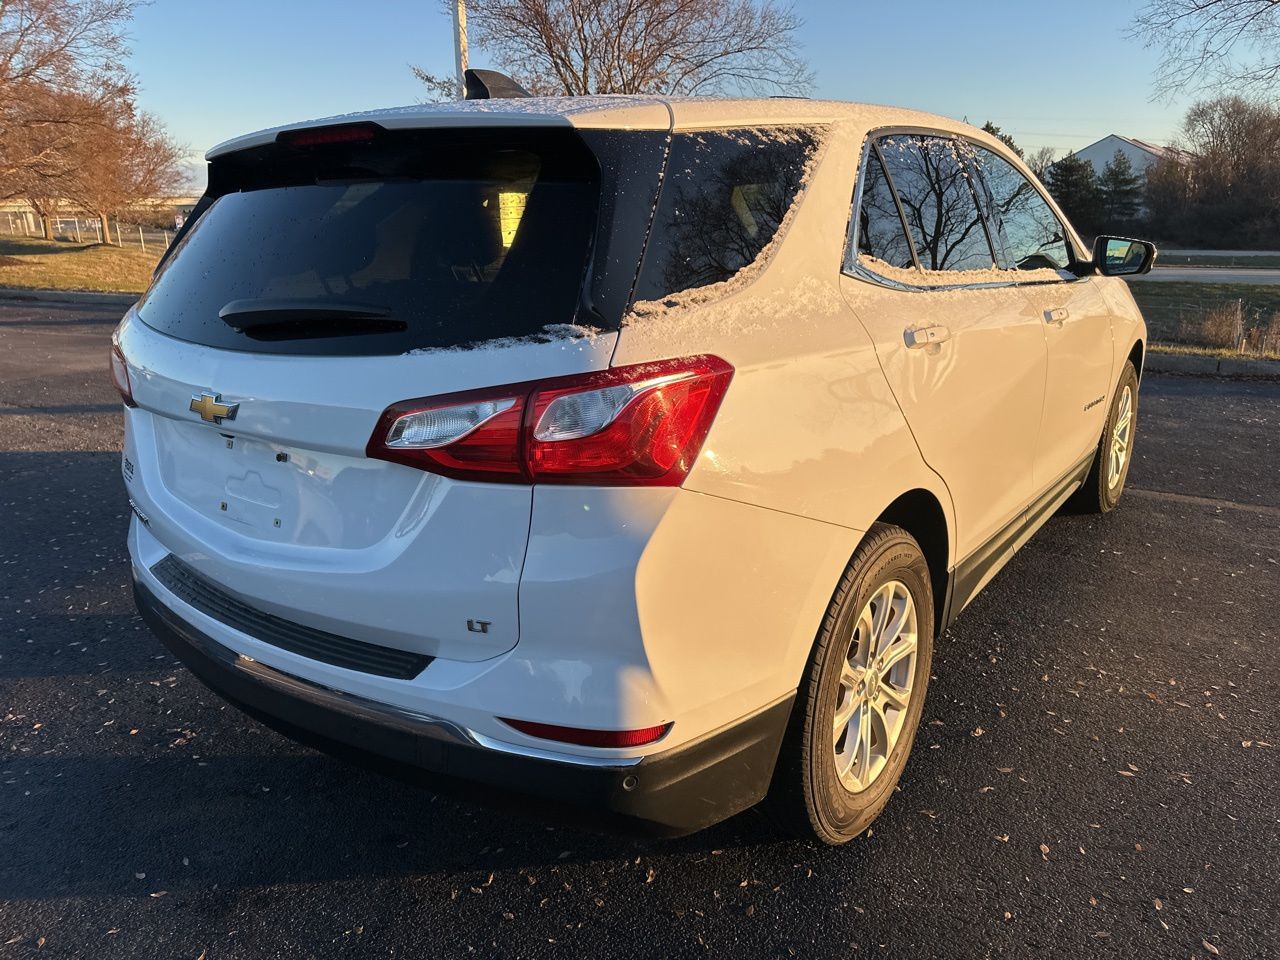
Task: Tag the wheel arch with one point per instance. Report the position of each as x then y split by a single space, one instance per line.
922 515
1136 353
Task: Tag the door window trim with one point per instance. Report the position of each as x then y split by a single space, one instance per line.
851 260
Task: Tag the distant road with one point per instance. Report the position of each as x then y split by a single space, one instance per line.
1265 277
1238 254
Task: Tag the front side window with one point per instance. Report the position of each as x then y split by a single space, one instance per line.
724 196
937 201
1033 237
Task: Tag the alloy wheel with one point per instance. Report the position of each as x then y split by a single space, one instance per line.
1121 435
875 686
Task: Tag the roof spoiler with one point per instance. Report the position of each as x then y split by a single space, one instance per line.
491 85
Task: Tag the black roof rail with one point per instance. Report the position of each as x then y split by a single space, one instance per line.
491 85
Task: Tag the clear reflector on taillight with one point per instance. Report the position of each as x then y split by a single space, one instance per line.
428 429
652 440
576 415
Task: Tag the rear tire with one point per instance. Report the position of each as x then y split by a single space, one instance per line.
1105 483
860 701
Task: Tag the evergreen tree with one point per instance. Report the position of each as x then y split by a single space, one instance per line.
1003 137
1121 191
1073 183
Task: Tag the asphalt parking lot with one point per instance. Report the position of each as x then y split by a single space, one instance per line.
1096 773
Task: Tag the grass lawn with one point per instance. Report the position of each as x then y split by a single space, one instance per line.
58 265
1204 317
1165 305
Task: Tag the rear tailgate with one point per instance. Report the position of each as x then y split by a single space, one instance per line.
321 285
281 507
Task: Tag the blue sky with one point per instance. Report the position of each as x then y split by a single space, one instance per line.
1059 74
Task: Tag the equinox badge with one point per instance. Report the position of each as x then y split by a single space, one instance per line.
212 409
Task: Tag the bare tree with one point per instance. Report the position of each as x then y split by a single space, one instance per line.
1040 161
1221 186
578 47
439 88
59 67
131 159
60 43
1229 45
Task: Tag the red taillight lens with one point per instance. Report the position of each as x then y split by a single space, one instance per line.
640 425
468 436
120 376
590 738
362 132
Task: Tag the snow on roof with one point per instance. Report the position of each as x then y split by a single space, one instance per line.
615 112
1151 148
1154 149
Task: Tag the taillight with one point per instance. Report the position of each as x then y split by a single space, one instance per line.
120 376
587 737
640 425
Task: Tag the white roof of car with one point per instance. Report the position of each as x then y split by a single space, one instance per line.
617 111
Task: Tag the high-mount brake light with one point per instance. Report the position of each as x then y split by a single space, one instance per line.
640 425
362 132
584 737
120 376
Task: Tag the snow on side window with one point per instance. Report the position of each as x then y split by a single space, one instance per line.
880 232
724 196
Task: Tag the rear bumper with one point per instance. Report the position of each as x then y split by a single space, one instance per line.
670 793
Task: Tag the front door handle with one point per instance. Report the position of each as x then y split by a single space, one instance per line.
1056 315
923 336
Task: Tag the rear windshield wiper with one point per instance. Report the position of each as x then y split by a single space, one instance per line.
304 319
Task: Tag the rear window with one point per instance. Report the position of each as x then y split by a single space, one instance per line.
724 195
434 239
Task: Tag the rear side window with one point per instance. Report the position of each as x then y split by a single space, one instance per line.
880 233
724 195
938 203
426 240
1033 237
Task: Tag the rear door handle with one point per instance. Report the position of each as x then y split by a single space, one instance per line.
923 336
1056 315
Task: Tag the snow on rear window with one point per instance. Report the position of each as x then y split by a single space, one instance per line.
725 194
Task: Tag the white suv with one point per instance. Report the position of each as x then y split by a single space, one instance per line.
631 451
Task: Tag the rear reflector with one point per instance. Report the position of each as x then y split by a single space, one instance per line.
640 425
589 738
362 132
120 376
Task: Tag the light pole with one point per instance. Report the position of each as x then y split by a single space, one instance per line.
460 45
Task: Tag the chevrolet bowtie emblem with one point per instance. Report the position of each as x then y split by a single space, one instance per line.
212 409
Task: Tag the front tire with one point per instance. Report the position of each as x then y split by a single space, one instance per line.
862 695
1105 483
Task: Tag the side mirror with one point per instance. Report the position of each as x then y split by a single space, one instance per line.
1122 257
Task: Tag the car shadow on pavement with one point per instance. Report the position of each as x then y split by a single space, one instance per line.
107 825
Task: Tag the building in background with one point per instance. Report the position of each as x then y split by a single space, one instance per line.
1140 153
